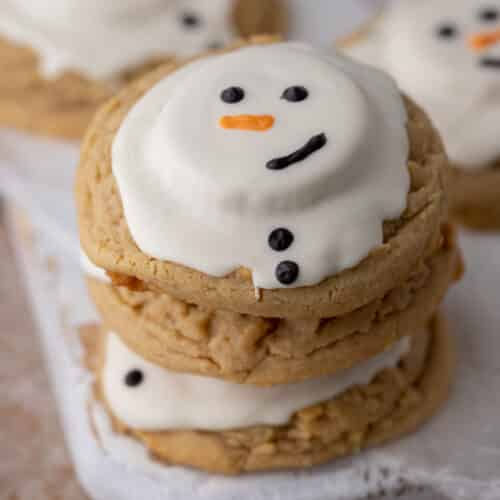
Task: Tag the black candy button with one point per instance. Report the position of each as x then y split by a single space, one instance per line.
280 239
232 95
134 378
287 272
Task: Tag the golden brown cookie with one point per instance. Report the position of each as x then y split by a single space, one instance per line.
475 197
107 241
247 349
396 402
63 107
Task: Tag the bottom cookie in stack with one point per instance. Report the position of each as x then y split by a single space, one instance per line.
228 428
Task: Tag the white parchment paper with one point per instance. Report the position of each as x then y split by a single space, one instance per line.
456 456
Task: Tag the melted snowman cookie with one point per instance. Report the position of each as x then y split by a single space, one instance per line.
286 169
147 397
100 39
445 54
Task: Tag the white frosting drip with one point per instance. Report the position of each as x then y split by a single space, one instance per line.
166 400
100 38
444 75
198 194
91 270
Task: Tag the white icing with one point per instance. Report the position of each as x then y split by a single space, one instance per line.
101 38
200 195
444 75
167 400
91 270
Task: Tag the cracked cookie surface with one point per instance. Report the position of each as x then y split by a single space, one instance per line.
262 351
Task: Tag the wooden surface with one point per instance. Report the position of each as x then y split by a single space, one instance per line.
34 463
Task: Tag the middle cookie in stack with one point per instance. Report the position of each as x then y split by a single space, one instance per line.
281 231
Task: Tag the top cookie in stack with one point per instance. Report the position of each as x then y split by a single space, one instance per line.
265 224
61 59
172 197
174 201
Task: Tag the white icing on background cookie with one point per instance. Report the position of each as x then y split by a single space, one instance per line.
101 38
194 164
446 55
147 397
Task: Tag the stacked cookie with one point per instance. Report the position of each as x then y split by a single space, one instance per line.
276 247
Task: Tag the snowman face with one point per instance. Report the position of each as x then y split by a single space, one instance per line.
191 25
279 158
267 136
448 39
101 39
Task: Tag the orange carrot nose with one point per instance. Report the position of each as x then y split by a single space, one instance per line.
482 41
255 123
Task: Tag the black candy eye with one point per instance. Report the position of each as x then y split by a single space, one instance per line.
295 94
280 239
190 20
134 378
489 14
232 95
447 31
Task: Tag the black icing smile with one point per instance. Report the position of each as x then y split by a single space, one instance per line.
490 62
314 144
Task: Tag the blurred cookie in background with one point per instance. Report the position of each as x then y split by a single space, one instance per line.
61 59
446 55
